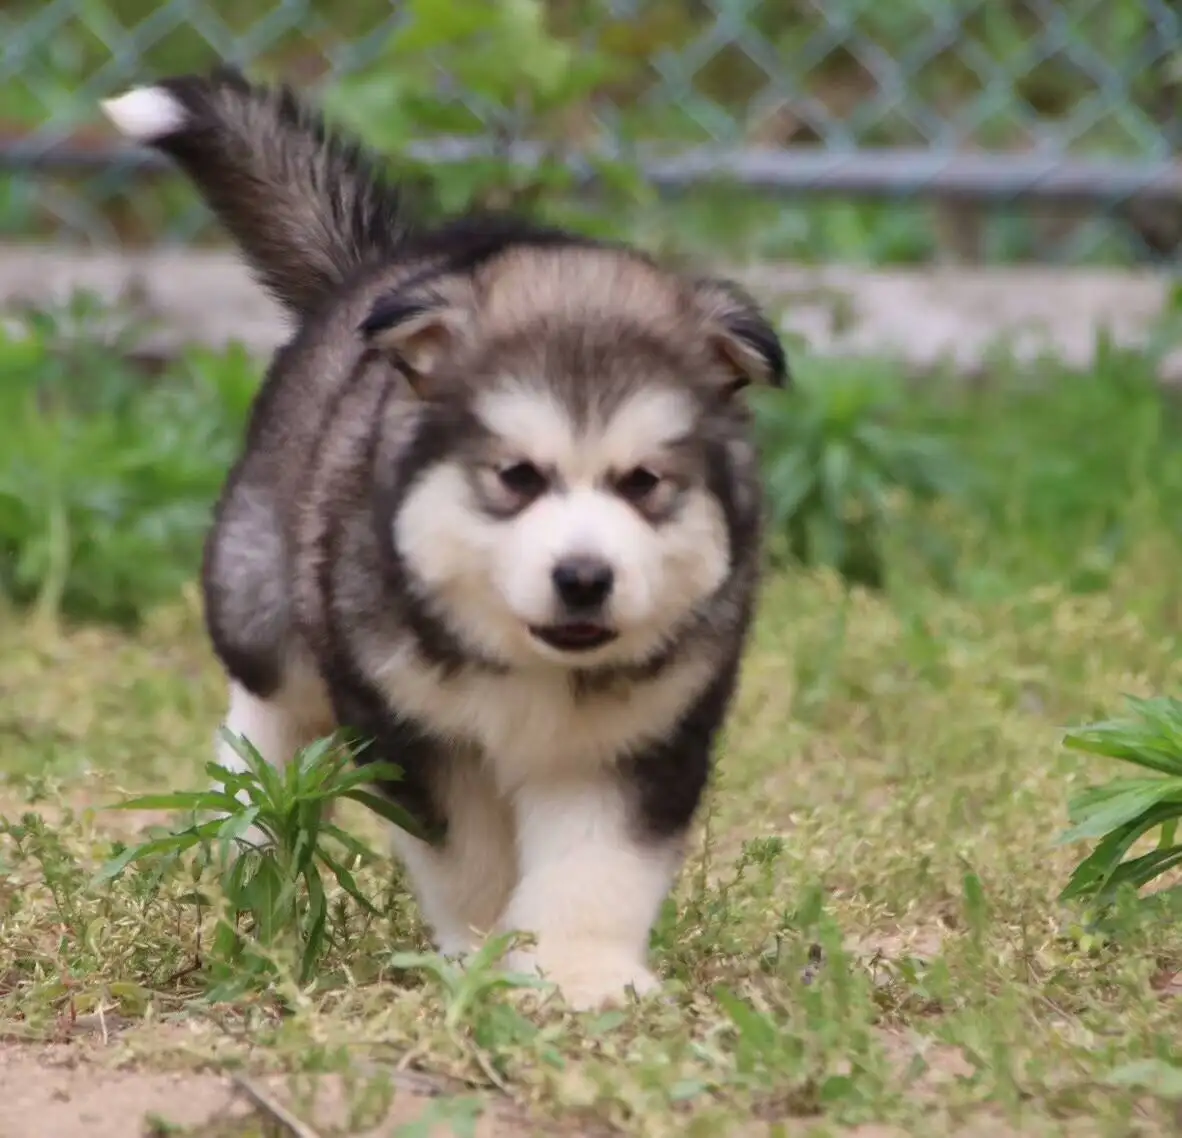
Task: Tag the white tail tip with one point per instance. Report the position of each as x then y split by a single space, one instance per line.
146 114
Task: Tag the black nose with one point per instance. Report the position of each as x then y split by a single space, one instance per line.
583 582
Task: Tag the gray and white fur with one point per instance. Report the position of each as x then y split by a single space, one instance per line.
497 510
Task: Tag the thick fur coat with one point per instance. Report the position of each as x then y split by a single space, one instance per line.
497 510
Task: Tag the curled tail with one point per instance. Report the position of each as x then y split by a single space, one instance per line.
305 203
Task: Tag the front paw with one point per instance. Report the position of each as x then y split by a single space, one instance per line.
588 978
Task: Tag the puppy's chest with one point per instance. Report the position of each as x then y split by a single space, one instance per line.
534 725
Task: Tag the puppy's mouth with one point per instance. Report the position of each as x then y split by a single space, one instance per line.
574 636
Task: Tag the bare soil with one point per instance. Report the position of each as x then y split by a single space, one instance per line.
67 1091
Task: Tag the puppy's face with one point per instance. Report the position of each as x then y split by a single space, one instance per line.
589 459
576 538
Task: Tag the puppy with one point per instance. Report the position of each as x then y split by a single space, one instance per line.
497 510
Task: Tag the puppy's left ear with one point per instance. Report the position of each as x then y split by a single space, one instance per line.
747 344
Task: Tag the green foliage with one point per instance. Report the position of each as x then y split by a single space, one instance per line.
840 468
520 81
107 473
1076 462
276 883
1156 1076
1121 812
467 986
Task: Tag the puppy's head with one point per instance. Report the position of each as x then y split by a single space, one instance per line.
583 482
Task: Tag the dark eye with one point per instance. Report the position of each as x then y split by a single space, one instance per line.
523 479
637 484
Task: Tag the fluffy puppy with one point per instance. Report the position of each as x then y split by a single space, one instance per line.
498 510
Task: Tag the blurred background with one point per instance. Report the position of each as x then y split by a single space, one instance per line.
975 131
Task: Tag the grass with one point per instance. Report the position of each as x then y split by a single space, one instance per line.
869 933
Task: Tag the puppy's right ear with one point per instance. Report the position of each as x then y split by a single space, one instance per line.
742 336
417 331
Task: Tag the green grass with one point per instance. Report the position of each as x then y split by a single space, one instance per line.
106 470
869 932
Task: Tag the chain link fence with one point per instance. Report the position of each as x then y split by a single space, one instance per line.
908 130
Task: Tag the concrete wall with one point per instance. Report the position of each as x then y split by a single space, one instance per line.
920 316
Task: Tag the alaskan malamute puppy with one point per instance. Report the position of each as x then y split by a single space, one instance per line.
498 510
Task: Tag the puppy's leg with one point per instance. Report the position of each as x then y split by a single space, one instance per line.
276 726
463 884
277 700
590 888
269 725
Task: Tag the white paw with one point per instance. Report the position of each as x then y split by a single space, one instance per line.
588 979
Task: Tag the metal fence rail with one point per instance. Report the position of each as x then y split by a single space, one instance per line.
1057 117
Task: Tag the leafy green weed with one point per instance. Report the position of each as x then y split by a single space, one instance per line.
269 843
1122 811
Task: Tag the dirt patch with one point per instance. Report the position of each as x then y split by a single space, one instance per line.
86 1088
62 1092
48 1092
